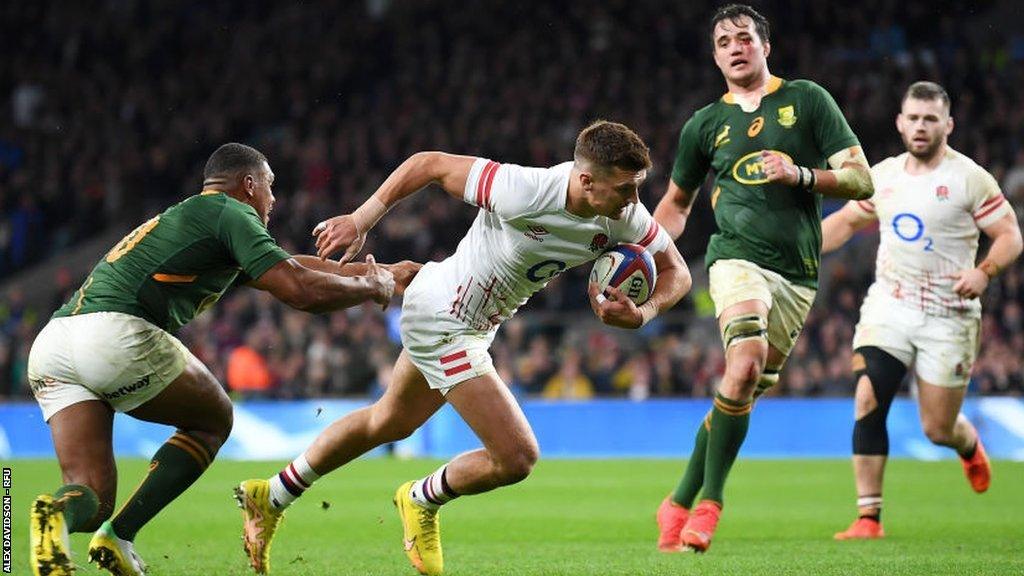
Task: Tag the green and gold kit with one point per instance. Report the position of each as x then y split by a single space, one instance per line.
179 263
775 226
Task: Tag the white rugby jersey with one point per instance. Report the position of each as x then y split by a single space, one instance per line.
522 238
929 225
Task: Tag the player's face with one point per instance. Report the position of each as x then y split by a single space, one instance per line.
262 195
740 53
924 126
611 191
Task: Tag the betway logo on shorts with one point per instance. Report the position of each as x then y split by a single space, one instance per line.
750 169
127 389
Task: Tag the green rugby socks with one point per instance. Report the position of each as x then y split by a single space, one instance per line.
693 479
729 422
79 504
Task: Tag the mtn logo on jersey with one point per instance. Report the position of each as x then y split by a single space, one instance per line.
942 193
750 169
787 116
535 232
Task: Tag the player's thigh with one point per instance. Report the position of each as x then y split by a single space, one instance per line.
194 401
408 400
490 409
83 440
939 405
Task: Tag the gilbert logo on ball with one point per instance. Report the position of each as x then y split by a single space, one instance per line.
628 267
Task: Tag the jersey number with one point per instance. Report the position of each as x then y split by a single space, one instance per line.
134 237
910 228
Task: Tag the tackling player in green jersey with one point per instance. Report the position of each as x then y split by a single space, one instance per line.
775 146
109 349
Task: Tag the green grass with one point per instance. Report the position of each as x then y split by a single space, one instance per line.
584 517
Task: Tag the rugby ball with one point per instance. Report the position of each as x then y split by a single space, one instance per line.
628 267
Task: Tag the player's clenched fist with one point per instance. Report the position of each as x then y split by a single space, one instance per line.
778 168
615 309
339 233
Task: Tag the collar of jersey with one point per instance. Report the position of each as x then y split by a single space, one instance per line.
774 83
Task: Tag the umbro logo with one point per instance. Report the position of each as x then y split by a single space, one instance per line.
535 232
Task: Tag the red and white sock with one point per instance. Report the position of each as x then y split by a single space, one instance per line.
291 482
433 491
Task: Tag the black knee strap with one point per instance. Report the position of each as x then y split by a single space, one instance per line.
886 373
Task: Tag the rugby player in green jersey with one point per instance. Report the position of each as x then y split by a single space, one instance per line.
110 349
775 146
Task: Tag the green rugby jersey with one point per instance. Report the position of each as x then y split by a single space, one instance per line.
179 263
775 226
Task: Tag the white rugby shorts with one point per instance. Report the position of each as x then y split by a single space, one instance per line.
733 281
118 358
444 349
941 349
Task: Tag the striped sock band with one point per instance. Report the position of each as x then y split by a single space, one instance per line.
291 482
870 506
433 491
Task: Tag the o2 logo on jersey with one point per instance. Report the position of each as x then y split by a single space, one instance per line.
750 169
545 270
910 228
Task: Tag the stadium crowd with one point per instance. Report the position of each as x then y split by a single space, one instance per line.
111 109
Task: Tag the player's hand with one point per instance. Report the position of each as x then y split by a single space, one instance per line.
970 283
404 272
778 168
614 308
338 233
383 279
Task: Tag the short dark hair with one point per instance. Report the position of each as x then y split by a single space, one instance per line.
232 158
925 90
733 12
610 144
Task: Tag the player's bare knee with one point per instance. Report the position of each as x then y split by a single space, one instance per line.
938 433
516 467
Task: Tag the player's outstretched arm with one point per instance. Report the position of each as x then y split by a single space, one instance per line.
673 209
840 226
348 232
1006 247
403 271
849 178
314 291
674 281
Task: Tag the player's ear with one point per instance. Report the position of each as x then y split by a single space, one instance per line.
949 126
587 180
767 49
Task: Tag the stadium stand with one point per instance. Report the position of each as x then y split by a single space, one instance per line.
110 110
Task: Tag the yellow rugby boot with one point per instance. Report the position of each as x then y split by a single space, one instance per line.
421 533
49 550
260 521
111 553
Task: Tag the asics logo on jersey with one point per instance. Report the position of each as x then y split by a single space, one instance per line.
750 169
535 232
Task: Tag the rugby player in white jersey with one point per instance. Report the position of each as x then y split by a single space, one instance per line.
533 224
922 310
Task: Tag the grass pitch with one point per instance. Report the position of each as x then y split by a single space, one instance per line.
582 517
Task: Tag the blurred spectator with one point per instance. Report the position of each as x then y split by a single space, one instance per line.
113 106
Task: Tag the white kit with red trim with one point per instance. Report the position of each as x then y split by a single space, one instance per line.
929 225
522 238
